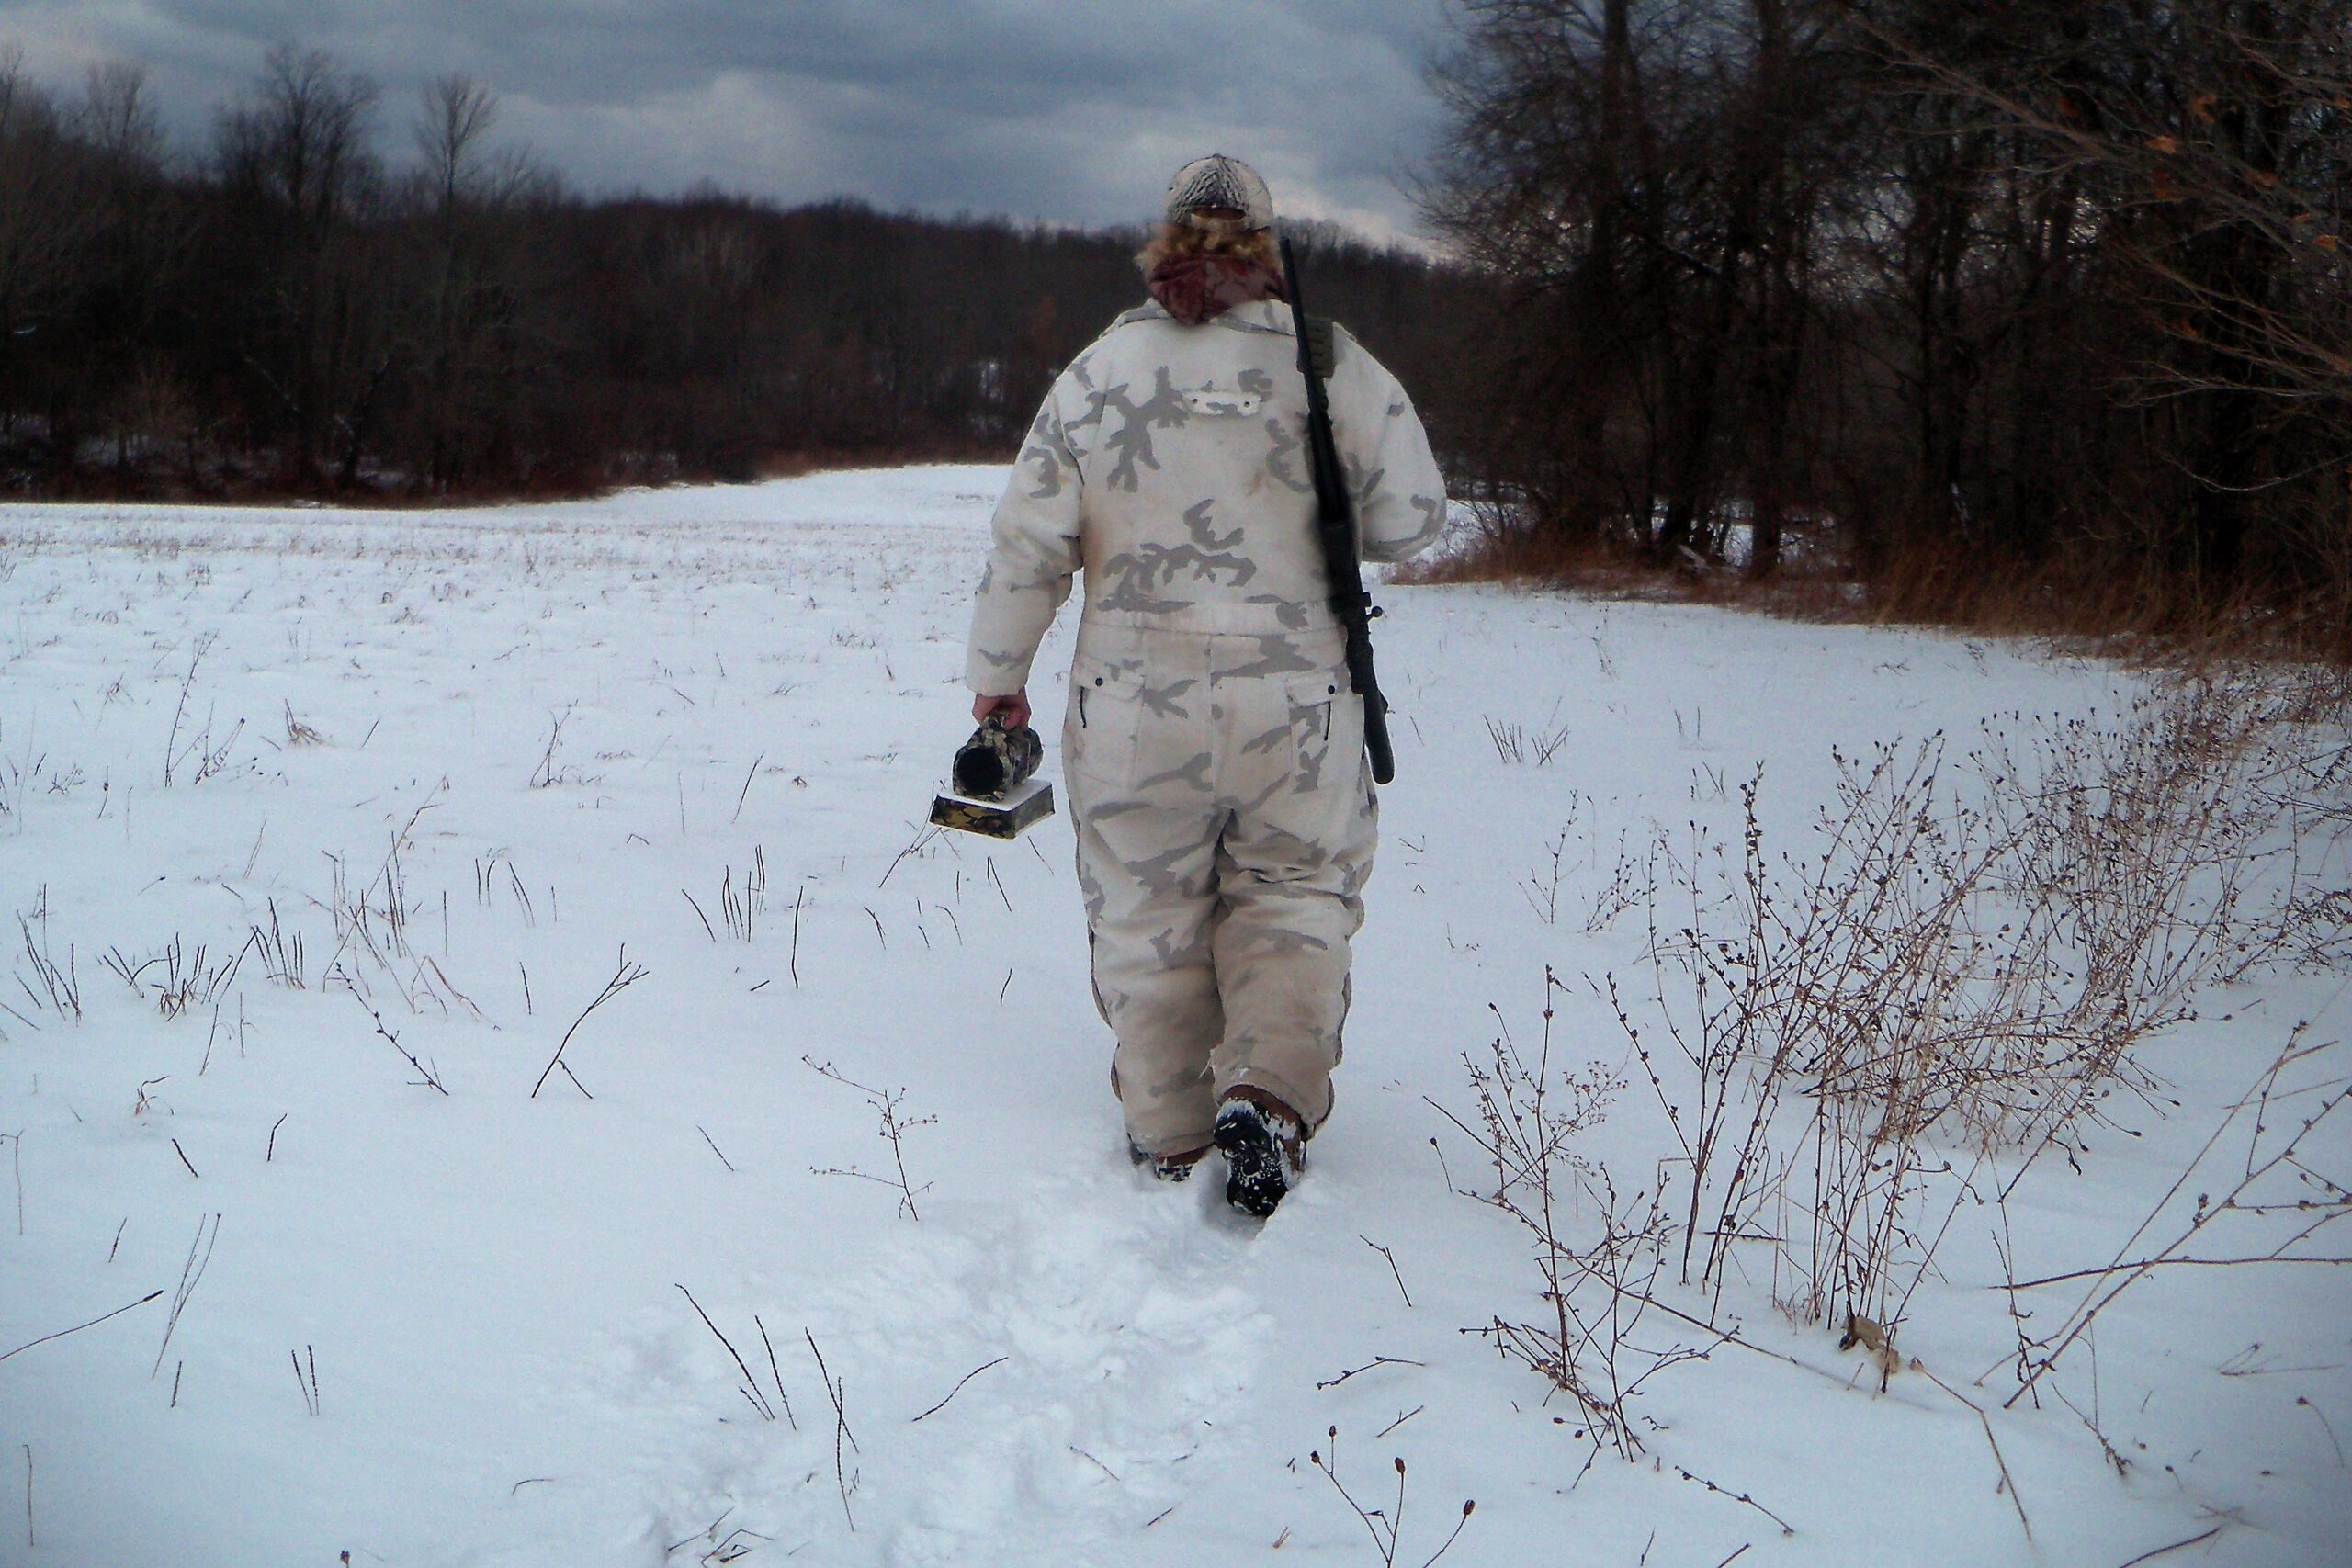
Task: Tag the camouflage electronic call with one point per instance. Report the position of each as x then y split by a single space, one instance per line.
994 790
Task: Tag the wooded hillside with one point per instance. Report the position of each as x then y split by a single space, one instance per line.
289 309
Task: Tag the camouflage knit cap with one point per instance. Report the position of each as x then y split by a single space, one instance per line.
1218 181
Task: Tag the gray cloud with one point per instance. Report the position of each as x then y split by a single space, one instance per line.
1073 111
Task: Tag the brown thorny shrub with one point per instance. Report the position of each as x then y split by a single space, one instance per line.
1848 1043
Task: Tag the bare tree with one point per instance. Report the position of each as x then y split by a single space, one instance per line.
476 327
454 117
116 118
42 224
294 153
1647 181
134 262
2055 292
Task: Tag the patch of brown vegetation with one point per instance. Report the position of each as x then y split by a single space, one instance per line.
2154 614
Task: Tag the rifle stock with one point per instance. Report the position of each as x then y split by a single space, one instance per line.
1335 526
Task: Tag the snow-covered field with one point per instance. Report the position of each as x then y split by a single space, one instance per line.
448 1327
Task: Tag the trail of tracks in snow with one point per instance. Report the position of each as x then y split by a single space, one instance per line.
1124 1342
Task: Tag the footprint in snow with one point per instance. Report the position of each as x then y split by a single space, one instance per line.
1122 1341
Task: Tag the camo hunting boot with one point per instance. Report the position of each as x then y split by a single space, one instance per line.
1264 1149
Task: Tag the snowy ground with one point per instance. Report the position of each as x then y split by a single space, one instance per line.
487 1284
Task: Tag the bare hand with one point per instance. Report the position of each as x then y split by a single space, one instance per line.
1015 708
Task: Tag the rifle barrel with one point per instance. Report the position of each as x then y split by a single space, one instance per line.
1336 532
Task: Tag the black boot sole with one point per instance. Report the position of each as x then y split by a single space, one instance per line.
1256 1176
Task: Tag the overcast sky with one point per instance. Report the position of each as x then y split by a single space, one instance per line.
1063 111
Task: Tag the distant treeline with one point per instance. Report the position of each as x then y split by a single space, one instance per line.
2036 312
1985 300
287 310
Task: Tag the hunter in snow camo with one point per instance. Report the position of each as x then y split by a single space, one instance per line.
1213 752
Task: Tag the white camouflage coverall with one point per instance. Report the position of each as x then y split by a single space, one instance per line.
1212 754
